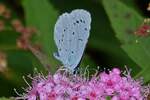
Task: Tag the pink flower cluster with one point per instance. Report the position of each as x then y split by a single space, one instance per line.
111 85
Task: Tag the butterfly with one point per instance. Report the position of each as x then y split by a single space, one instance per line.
71 34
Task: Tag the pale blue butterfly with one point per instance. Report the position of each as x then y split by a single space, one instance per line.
71 34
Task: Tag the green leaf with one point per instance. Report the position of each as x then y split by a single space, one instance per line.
8 40
108 98
18 64
125 21
105 44
43 19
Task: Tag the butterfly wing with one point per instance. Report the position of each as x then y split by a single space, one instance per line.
60 38
71 35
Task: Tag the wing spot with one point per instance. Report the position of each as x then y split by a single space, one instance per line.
72 52
62 35
64 30
80 39
85 29
77 21
81 20
60 49
62 40
73 33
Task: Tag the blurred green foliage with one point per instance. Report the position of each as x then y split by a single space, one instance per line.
125 21
109 20
5 99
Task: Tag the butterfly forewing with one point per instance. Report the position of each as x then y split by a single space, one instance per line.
71 35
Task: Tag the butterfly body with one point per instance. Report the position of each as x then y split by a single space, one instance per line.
71 34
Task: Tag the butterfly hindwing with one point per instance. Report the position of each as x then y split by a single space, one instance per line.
71 35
